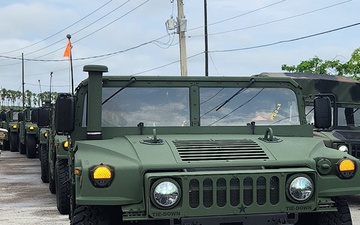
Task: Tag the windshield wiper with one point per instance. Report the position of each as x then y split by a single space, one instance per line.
236 93
132 80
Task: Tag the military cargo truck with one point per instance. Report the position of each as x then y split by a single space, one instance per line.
5 118
44 132
59 172
200 150
13 130
28 132
9 122
343 127
57 160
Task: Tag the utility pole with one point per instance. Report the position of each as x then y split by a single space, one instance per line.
206 40
181 26
50 88
40 95
23 78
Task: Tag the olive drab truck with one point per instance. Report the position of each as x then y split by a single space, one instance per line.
57 161
5 118
44 130
13 130
200 150
28 132
342 129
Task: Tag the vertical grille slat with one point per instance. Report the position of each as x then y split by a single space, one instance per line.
274 190
234 191
194 193
206 192
261 190
221 192
248 191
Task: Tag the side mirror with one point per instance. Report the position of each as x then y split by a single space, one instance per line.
21 116
3 116
322 112
64 113
43 117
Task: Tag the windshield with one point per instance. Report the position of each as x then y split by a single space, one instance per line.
264 106
151 106
170 106
347 116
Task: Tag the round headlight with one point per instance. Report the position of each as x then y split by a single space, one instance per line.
343 148
301 189
166 194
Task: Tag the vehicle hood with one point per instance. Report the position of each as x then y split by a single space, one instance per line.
186 151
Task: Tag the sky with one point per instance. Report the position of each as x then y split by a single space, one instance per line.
130 37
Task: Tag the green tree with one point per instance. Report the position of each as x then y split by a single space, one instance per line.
3 96
331 67
28 95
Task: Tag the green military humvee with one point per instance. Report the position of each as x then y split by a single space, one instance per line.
200 150
343 130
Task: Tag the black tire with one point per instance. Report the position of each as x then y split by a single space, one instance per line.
52 184
30 146
96 215
22 148
6 145
62 185
13 141
340 217
44 161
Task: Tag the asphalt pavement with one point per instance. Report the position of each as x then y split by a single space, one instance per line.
24 198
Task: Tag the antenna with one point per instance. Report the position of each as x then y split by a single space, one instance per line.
40 94
51 73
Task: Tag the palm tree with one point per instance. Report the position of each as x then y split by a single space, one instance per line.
3 96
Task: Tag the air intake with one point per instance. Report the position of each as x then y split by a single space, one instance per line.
207 150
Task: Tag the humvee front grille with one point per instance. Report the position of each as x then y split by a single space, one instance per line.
355 150
205 150
233 191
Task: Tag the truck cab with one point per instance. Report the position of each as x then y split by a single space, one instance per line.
199 150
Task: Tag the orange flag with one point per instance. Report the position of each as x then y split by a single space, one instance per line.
67 50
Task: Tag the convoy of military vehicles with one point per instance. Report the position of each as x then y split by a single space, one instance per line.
264 149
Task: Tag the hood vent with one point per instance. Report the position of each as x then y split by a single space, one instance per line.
208 150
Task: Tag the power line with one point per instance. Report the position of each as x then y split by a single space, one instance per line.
86 58
165 65
286 41
60 30
60 60
274 21
243 14
54 43
80 39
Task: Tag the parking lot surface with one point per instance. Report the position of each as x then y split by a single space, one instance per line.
24 198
